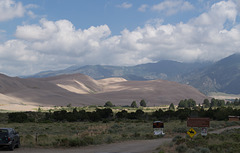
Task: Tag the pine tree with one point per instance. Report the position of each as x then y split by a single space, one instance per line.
171 107
143 103
134 104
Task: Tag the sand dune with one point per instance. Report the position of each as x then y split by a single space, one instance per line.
80 90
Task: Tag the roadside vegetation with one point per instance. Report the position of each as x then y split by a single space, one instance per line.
80 126
225 142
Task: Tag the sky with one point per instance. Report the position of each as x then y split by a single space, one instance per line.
41 35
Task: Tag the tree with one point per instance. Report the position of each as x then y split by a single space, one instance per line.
191 103
206 103
213 102
134 104
220 103
143 103
183 104
187 103
236 102
108 104
171 107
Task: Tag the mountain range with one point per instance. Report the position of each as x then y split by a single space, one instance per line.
220 76
166 70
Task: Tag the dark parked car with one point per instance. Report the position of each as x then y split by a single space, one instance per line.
10 138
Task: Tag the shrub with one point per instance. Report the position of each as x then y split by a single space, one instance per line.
177 137
180 141
136 134
203 150
109 139
18 117
28 139
149 136
181 148
180 130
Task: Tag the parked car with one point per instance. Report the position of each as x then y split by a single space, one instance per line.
10 138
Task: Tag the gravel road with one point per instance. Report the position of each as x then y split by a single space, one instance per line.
138 146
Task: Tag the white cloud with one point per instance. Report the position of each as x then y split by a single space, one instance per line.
29 6
31 14
218 14
143 8
10 9
58 44
125 5
173 6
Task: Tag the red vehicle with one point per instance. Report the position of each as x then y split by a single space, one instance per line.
10 138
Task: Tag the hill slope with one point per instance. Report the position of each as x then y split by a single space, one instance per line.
222 76
79 90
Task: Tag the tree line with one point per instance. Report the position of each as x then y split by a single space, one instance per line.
107 114
133 104
190 103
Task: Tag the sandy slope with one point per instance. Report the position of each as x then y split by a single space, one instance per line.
79 90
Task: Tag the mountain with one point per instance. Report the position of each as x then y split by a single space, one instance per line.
167 70
81 90
222 76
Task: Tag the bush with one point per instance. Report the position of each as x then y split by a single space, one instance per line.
136 134
203 150
181 148
180 130
109 139
177 137
73 142
17 117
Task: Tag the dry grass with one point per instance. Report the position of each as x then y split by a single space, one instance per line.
55 134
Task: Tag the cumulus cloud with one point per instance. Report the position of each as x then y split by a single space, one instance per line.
125 5
171 7
10 9
58 44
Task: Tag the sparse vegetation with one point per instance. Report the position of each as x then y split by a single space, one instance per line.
226 142
81 126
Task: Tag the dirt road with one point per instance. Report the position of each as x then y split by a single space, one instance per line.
139 146
223 129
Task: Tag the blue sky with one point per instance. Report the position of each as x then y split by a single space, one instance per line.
41 35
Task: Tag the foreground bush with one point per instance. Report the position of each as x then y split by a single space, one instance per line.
226 142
